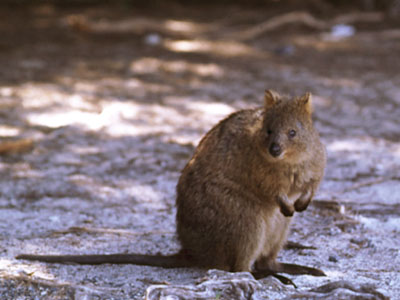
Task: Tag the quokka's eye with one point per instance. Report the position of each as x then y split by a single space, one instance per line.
269 131
292 133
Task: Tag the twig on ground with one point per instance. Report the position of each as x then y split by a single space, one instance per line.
294 245
306 19
17 146
108 231
369 182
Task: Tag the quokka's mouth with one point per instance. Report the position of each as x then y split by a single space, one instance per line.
279 156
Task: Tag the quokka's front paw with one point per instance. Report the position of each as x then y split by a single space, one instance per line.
286 208
302 203
287 211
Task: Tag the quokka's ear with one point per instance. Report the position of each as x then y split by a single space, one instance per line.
306 102
270 98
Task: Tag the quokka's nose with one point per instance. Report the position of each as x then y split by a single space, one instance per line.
275 149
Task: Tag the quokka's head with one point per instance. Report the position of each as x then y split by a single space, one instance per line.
287 132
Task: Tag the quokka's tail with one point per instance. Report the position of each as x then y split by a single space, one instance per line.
168 261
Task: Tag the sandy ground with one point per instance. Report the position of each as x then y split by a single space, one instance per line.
109 103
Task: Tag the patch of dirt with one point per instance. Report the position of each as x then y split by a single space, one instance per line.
101 107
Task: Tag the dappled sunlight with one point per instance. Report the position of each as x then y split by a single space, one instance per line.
184 26
86 150
9 131
364 157
182 112
348 145
206 111
349 83
391 224
214 110
48 106
148 65
195 114
9 268
219 47
37 97
135 24
98 109
358 146
131 88
335 274
146 195
112 118
64 118
362 144
128 119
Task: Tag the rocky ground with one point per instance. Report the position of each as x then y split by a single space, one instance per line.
101 107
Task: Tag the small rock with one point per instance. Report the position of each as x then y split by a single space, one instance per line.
152 39
362 242
333 258
342 31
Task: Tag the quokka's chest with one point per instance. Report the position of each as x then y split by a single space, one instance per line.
299 178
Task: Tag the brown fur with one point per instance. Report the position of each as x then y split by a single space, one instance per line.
236 196
235 199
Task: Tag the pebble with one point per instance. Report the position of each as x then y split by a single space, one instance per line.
333 258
